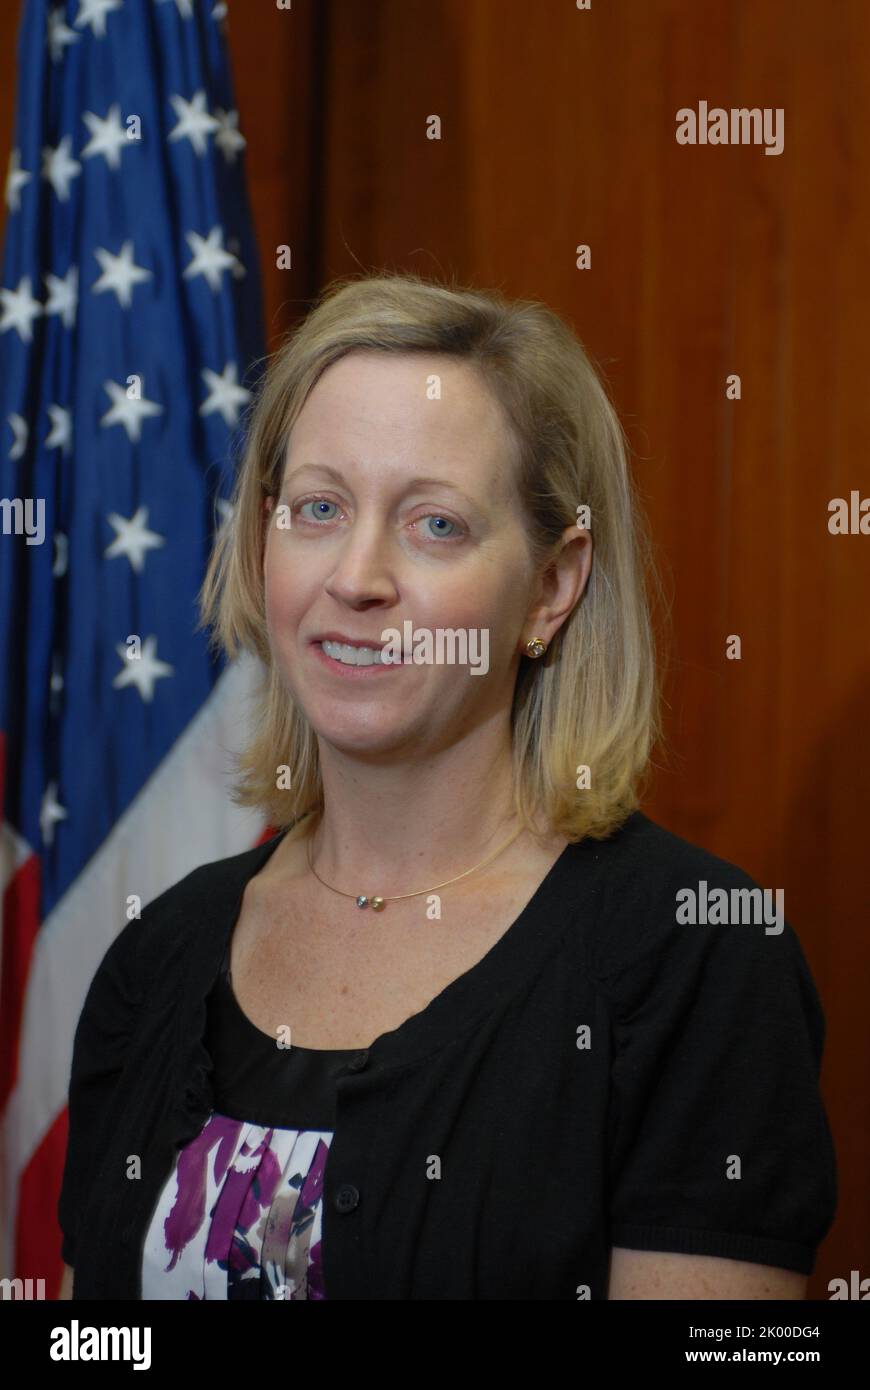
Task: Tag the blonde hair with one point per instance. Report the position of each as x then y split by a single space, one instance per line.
594 698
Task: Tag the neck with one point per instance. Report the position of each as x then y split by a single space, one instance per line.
399 827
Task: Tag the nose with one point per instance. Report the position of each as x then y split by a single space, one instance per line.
362 573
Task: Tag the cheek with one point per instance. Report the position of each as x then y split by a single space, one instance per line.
281 590
492 600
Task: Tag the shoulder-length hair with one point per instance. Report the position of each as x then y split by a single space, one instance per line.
592 702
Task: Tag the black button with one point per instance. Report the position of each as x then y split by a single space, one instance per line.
359 1061
346 1198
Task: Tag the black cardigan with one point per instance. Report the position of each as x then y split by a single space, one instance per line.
605 1075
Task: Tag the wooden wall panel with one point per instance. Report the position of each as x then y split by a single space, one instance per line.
278 70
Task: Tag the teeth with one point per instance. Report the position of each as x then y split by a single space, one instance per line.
352 656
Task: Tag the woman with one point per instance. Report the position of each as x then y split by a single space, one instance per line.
451 1032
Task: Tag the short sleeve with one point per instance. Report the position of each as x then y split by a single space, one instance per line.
719 1143
99 1051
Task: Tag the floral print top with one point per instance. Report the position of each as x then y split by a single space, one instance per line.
240 1214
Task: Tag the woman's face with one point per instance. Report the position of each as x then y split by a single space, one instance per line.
397 508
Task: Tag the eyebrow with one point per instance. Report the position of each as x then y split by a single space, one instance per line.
412 482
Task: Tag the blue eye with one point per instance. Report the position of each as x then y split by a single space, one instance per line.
319 503
445 522
443 527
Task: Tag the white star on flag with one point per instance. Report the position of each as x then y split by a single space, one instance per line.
21 430
132 538
119 273
128 411
229 138
59 35
141 671
60 168
51 813
63 295
18 309
108 136
225 393
16 178
60 434
209 257
194 122
94 12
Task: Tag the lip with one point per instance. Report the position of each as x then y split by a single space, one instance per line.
375 671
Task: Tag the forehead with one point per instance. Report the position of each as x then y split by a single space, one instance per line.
404 410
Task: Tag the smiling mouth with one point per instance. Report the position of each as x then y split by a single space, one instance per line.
353 656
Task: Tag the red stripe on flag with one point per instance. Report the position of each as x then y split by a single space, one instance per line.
20 927
38 1236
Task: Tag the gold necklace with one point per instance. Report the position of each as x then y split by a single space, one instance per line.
376 902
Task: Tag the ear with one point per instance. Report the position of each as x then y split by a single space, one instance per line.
560 585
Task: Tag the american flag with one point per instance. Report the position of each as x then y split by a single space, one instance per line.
130 335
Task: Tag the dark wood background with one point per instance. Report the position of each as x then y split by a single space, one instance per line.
558 128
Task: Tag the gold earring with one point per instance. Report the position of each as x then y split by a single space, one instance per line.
536 647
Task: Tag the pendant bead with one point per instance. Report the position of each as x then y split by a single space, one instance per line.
378 904
362 900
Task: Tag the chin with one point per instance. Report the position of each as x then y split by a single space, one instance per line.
362 740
